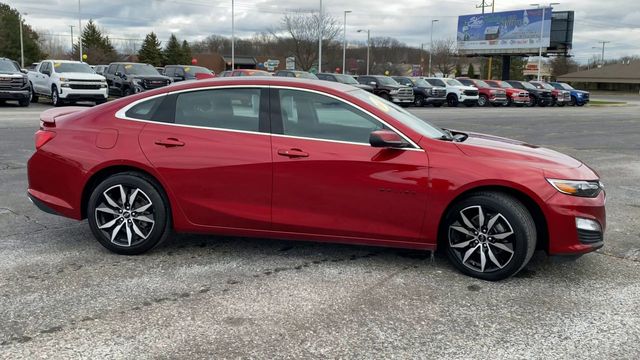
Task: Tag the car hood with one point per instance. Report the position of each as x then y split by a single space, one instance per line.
580 91
11 74
482 145
81 76
148 77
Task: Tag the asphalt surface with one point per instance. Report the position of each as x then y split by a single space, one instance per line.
63 296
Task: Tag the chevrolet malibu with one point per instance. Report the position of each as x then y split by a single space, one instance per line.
293 159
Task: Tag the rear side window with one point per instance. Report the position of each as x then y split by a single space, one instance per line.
145 109
233 109
169 71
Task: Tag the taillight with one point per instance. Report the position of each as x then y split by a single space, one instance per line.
42 137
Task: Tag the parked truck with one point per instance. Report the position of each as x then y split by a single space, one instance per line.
423 92
388 89
67 81
456 92
14 84
489 94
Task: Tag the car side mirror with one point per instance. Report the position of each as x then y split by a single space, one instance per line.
24 71
373 83
386 139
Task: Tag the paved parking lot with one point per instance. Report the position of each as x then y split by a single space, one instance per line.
62 295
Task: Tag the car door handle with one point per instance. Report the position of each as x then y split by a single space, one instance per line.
293 153
169 142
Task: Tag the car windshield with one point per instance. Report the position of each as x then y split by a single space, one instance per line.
8 66
420 126
436 82
566 86
421 83
527 85
64 67
305 75
384 80
504 84
467 82
482 84
192 70
140 69
544 86
454 82
346 79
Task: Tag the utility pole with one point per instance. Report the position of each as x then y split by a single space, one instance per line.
483 5
79 29
431 44
602 59
21 42
320 39
71 26
344 42
233 37
542 6
368 46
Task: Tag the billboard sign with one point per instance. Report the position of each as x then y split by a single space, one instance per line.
504 32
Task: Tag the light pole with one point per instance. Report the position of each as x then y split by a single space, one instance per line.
543 7
79 30
320 39
344 42
431 44
233 36
602 59
368 46
21 42
71 27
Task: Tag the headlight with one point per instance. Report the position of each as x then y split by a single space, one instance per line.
393 92
63 79
581 188
579 94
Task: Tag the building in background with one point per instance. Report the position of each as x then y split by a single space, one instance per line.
614 77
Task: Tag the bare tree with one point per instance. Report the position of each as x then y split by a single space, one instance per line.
444 56
562 65
55 45
299 33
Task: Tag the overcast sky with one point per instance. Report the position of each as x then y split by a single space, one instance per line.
617 21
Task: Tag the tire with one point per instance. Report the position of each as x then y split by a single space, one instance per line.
418 101
125 231
452 100
34 96
580 104
483 101
573 101
55 97
468 241
24 102
126 92
560 104
532 101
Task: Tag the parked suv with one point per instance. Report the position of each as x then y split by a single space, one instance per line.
423 92
100 69
489 94
578 97
540 97
187 72
456 92
344 79
129 78
388 89
517 97
14 84
67 81
295 73
560 97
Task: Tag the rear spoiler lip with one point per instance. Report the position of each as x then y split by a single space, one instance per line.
48 117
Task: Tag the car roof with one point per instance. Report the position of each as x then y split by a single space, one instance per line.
264 80
66 61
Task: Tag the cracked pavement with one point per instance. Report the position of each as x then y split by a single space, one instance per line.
63 296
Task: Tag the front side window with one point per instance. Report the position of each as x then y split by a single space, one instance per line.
233 109
316 116
436 82
169 71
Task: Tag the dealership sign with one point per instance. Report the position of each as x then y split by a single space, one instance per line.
504 32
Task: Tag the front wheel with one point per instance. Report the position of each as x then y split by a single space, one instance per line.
532 101
129 214
452 100
483 101
55 97
418 101
490 235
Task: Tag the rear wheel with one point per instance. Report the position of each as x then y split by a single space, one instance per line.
490 235
128 214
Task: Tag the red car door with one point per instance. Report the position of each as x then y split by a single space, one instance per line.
328 180
215 156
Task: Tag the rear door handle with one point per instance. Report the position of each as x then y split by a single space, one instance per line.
293 153
169 142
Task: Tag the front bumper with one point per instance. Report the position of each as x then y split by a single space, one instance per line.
498 100
83 94
520 100
6 94
564 236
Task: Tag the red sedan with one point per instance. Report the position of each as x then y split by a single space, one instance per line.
296 159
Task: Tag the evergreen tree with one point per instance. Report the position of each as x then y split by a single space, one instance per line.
173 52
95 45
186 53
10 37
458 71
151 52
471 71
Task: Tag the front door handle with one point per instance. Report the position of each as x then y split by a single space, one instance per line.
293 153
169 142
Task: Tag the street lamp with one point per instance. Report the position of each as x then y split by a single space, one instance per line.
79 29
344 42
21 41
543 7
431 44
368 46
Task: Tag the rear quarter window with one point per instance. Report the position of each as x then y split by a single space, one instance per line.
144 110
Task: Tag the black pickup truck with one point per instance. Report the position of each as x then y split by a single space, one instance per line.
423 92
388 89
344 79
14 84
129 78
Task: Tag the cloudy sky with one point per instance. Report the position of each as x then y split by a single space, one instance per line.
617 21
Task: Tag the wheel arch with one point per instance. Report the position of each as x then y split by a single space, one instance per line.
529 202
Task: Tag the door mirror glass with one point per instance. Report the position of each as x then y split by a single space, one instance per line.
373 83
387 139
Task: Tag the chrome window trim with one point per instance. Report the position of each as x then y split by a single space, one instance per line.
121 114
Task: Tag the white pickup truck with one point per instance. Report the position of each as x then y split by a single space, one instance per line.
456 91
67 81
